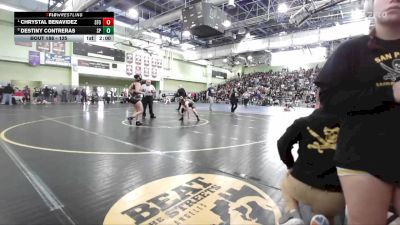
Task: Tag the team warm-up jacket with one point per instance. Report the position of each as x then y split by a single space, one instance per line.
356 84
316 135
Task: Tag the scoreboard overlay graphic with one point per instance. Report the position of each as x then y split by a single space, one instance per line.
64 26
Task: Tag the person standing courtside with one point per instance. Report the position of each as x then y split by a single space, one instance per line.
1 93
234 97
27 94
7 95
210 95
181 93
149 91
246 98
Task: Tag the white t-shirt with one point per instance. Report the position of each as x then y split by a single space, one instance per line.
148 90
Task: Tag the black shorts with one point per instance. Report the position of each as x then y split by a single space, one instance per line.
135 99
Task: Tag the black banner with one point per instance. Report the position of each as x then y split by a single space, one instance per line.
34 22
60 15
217 74
84 49
59 30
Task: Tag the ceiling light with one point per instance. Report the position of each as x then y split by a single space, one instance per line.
282 8
357 14
12 9
231 4
186 33
132 13
227 23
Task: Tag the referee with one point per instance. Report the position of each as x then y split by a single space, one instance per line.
148 90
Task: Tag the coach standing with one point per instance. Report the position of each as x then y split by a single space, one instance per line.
149 92
8 91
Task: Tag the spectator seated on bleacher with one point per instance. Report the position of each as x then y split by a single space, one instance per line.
273 88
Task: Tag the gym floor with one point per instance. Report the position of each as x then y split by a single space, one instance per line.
75 164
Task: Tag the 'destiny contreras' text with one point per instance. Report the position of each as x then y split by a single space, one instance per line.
47 30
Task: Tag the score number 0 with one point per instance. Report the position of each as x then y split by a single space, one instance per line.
108 22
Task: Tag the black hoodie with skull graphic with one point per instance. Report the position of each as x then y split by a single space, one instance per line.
356 84
316 135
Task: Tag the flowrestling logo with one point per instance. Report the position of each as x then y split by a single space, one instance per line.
195 199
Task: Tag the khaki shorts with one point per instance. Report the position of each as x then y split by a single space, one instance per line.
323 202
348 172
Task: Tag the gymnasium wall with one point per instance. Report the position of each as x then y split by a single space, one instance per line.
173 85
49 75
14 60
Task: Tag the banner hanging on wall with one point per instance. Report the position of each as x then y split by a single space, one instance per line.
93 64
129 58
34 58
146 60
129 70
148 66
154 72
154 62
59 60
159 63
138 70
26 44
58 48
43 46
138 60
146 71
